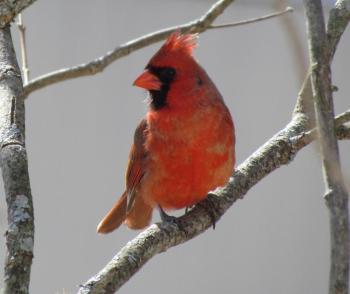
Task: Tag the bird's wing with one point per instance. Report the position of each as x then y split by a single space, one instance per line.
130 207
135 170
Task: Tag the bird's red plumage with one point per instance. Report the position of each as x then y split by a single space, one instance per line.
183 149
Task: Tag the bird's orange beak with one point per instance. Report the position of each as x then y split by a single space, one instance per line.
148 81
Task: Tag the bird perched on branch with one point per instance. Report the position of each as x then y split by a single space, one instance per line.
183 148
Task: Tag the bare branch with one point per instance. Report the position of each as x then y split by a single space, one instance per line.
252 20
160 237
336 194
14 166
294 39
279 150
98 65
342 118
9 10
339 18
22 41
342 131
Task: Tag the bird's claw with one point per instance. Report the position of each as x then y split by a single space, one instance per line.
211 210
166 218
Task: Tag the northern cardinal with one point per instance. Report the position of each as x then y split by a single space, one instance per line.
184 147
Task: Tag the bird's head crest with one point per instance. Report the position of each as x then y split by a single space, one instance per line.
184 43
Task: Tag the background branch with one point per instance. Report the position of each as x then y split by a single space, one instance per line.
252 20
277 151
14 167
22 41
336 194
294 39
339 17
98 65
158 238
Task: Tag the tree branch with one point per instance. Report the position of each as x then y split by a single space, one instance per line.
339 18
9 10
14 167
22 41
342 131
252 20
278 151
336 193
98 65
160 237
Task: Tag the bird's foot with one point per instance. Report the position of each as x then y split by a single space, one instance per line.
211 210
166 218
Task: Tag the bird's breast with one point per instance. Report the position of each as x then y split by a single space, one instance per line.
188 155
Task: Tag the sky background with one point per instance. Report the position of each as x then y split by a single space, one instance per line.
79 133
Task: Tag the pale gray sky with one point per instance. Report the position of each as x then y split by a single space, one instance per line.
79 132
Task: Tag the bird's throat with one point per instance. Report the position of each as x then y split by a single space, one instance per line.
159 97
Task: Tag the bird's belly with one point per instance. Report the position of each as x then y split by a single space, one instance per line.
181 173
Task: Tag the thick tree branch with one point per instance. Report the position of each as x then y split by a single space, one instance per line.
10 8
160 237
339 18
279 150
14 167
336 193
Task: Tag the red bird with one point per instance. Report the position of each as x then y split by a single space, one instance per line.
184 147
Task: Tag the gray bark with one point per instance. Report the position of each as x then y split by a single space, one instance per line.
336 194
14 167
10 8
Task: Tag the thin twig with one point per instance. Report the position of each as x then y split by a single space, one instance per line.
279 150
295 41
342 131
336 194
22 42
342 118
252 20
98 65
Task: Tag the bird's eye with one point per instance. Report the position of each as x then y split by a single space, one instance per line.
167 74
